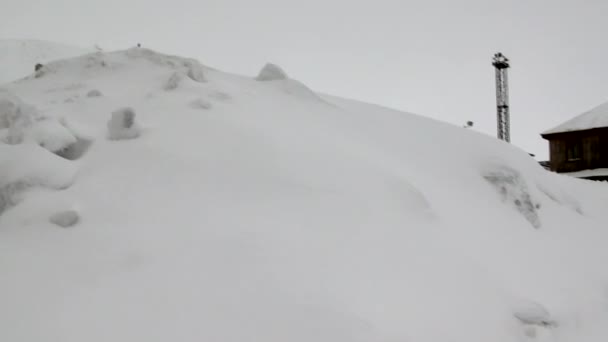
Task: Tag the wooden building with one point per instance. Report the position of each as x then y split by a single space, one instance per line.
579 147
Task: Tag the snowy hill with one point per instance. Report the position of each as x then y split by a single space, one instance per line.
146 197
18 57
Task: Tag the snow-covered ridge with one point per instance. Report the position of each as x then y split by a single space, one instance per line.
18 57
172 201
95 63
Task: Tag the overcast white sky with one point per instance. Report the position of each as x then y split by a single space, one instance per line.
427 57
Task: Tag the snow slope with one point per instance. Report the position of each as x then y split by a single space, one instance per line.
18 57
246 210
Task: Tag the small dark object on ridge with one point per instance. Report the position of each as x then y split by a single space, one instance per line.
38 66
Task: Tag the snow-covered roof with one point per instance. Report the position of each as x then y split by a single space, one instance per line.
588 173
594 118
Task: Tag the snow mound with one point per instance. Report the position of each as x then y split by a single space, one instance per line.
288 215
536 321
533 313
27 166
21 123
85 65
271 72
122 125
65 219
94 64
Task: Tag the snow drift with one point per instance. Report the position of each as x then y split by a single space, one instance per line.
261 211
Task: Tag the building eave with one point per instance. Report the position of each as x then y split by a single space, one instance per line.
549 135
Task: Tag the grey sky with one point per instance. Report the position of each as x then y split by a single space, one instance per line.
427 57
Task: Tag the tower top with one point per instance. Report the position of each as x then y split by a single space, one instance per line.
500 61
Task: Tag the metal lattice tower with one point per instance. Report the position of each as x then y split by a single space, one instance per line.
501 63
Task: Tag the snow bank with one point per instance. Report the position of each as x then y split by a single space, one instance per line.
92 65
26 166
21 123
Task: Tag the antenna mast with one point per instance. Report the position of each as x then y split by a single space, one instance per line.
501 63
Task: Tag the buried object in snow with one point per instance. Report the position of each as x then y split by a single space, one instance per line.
271 72
65 219
122 125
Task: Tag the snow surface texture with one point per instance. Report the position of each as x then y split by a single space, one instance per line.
22 123
18 57
594 118
261 211
513 189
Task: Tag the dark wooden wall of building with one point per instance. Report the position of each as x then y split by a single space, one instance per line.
592 150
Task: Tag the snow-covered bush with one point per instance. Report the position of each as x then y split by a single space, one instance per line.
16 117
271 72
65 219
122 125
39 70
9 194
94 93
